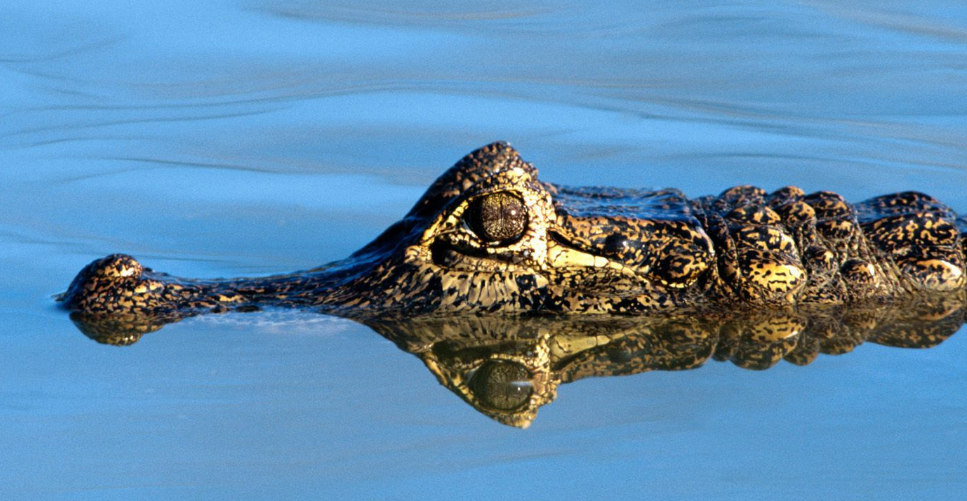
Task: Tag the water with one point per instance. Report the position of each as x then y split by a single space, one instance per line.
242 138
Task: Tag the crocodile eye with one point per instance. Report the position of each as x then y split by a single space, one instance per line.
498 217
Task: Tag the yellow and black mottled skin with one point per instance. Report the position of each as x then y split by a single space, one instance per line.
489 237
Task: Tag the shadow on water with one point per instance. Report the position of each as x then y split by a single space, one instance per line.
507 367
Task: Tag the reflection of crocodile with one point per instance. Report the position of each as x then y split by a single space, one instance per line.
507 367
489 237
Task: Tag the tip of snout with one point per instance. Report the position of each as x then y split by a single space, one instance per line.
99 275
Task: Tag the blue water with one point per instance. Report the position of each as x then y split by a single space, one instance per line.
251 137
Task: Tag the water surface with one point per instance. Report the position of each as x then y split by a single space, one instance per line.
251 137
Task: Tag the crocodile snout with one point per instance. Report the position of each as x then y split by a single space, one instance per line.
110 284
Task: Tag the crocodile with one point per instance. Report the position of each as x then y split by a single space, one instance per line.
489 237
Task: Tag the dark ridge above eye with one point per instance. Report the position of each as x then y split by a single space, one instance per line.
498 217
468 171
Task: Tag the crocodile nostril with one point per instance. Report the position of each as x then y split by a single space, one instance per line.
119 266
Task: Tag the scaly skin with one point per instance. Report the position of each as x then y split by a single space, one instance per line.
488 236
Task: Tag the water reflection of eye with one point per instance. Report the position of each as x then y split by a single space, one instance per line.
502 385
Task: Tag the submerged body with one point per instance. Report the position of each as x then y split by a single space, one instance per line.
489 237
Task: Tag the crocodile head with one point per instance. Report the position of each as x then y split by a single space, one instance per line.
489 237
